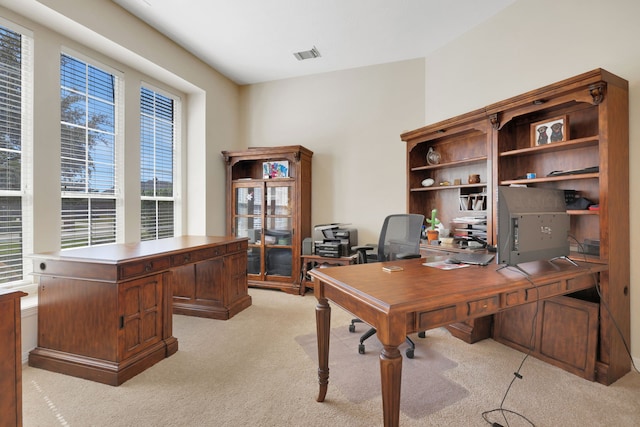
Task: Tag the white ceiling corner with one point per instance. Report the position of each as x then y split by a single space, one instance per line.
252 41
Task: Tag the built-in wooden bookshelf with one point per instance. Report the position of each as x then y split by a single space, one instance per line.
497 142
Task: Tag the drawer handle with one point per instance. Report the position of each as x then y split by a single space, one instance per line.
148 267
187 258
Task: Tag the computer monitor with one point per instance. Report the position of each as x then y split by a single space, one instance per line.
533 224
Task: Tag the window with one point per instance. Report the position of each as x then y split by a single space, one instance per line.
88 97
157 164
15 143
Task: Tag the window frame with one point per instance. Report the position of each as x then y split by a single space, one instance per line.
26 144
177 149
119 166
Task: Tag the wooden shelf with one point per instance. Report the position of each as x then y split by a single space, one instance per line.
551 179
448 187
462 162
583 212
556 146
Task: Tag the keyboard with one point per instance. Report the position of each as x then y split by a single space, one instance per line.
474 258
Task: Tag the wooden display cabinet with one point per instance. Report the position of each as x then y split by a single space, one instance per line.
272 208
593 156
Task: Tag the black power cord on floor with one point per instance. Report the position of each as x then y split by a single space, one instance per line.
516 375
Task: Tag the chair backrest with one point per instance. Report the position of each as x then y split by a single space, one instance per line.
400 234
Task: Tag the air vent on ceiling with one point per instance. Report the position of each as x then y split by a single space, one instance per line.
307 54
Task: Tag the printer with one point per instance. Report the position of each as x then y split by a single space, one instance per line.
334 240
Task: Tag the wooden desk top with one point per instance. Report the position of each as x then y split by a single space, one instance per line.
117 253
419 288
9 294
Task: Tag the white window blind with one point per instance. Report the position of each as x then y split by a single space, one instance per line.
15 134
157 164
88 100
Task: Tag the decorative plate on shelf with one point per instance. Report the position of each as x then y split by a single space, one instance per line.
433 157
427 182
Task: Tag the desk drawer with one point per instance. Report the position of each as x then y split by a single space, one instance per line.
483 306
237 246
199 255
535 293
141 268
434 318
546 291
583 282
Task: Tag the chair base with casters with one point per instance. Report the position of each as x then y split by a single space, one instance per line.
372 331
399 239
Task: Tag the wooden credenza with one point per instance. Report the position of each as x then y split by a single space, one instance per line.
105 312
10 359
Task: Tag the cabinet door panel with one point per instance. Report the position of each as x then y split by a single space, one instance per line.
182 282
209 281
78 317
141 318
235 266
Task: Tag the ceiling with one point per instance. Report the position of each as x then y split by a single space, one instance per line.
253 41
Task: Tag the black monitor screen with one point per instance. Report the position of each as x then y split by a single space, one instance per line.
533 224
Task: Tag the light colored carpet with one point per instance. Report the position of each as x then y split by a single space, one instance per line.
250 370
358 376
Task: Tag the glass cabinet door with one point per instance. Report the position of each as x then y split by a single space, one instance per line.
263 213
278 229
247 221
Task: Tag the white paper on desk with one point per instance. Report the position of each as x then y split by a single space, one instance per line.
442 265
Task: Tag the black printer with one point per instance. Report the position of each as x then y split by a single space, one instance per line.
334 240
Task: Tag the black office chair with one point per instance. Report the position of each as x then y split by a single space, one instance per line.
399 239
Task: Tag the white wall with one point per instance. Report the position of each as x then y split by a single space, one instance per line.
534 43
352 121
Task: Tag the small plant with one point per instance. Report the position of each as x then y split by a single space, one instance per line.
433 221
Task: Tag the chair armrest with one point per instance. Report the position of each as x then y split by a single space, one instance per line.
362 252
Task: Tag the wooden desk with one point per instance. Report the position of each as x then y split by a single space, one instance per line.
420 298
105 312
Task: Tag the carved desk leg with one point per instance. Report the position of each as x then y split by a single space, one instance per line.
323 324
391 375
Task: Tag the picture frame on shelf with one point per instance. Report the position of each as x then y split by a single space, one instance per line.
550 131
278 169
